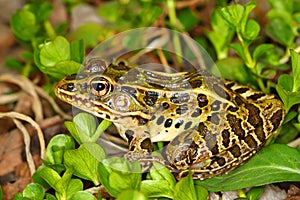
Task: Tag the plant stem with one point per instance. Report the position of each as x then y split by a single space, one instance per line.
26 70
249 61
175 23
172 12
49 30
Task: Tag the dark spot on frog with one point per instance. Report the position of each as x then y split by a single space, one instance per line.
225 138
235 150
256 96
215 105
129 135
232 109
168 123
151 98
229 85
235 124
147 144
276 119
221 92
242 90
179 123
239 101
141 121
197 112
165 105
221 161
250 141
160 120
187 125
182 109
202 100
215 118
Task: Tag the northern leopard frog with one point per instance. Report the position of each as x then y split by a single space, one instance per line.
212 125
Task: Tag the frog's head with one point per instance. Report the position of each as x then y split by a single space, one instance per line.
100 95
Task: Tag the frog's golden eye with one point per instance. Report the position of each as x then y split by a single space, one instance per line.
100 86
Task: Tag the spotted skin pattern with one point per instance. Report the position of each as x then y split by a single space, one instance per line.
212 125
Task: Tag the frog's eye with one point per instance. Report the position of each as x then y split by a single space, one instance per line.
100 86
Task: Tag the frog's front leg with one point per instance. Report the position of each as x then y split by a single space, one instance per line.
140 148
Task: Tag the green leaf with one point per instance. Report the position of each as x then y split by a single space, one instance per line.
23 24
77 51
238 48
50 197
50 176
57 146
104 179
0 192
84 128
157 188
255 193
132 195
63 184
187 19
286 81
85 123
282 5
247 11
14 63
89 33
100 129
287 134
275 163
74 186
296 71
187 185
18 196
42 11
251 30
201 192
53 58
83 195
84 161
280 31
117 174
233 68
284 88
232 14
55 51
34 191
160 172
121 180
220 36
106 12
260 50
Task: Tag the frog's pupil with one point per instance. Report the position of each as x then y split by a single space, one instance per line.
99 86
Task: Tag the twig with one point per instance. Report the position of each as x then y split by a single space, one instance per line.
26 137
15 115
28 87
183 4
294 143
52 103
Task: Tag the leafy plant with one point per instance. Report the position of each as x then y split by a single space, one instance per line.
260 59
